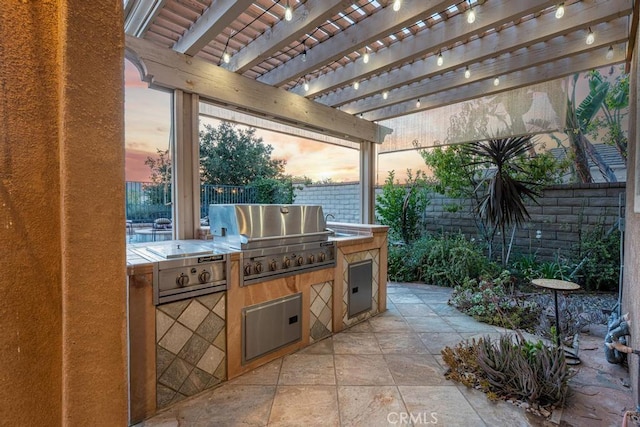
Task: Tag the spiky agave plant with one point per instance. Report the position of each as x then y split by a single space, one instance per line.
505 192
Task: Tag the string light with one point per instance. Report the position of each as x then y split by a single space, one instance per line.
471 16
288 12
385 94
496 81
356 85
396 5
306 86
610 53
560 11
467 73
591 37
365 57
440 60
304 55
226 57
418 103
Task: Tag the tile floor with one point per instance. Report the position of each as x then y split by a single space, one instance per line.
384 371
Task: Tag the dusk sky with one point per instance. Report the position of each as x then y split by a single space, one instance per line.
147 128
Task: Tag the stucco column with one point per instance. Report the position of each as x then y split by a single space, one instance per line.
367 182
62 234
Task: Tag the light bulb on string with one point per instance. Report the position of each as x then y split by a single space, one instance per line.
610 53
471 16
365 57
396 5
385 94
591 37
226 57
440 60
418 103
306 86
467 73
288 13
560 11
496 81
356 85
304 55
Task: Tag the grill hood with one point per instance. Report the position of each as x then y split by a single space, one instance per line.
250 226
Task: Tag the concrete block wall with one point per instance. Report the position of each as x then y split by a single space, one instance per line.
562 215
339 200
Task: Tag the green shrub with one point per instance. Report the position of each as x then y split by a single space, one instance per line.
451 259
598 260
492 301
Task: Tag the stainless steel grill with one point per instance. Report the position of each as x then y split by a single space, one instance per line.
275 240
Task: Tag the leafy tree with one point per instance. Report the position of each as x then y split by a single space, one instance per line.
401 206
234 156
159 191
613 108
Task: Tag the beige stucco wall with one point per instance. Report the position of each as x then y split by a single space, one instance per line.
62 316
631 277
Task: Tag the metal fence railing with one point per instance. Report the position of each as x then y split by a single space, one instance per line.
146 201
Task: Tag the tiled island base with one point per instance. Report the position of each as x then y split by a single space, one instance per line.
190 347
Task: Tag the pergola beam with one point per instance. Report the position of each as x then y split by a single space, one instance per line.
353 38
609 34
140 16
491 46
308 16
213 21
439 36
530 76
167 68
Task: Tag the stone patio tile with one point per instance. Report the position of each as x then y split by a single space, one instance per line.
428 324
368 405
389 324
359 327
415 310
401 342
408 298
324 346
495 413
267 374
445 405
362 343
307 369
362 369
314 406
468 324
436 341
233 404
415 369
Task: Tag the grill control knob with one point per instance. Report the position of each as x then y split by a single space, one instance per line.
204 276
322 256
258 267
312 259
273 265
300 260
286 263
182 280
247 269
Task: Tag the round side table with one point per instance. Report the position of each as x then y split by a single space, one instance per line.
556 285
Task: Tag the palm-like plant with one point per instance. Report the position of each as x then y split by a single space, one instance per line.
504 183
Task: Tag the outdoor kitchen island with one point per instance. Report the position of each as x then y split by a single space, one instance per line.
261 319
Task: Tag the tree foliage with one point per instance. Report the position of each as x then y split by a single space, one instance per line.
233 156
401 206
159 191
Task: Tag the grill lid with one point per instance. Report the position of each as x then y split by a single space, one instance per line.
180 249
250 226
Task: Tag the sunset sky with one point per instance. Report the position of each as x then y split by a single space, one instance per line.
147 128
